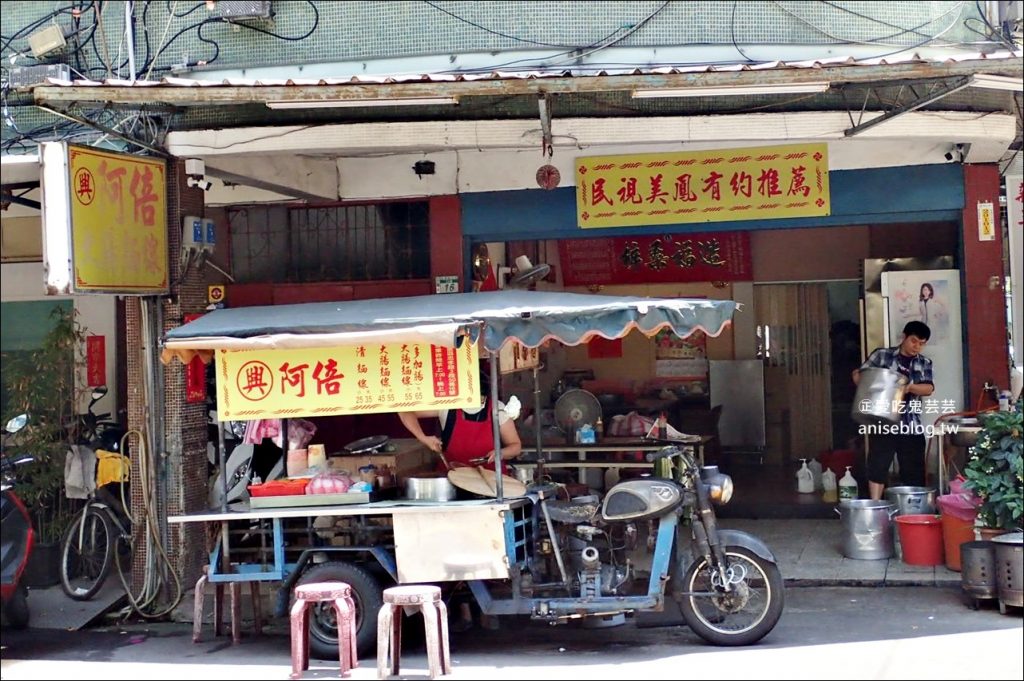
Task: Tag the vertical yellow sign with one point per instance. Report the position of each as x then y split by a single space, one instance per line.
118 222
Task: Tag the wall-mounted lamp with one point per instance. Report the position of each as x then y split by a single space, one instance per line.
729 90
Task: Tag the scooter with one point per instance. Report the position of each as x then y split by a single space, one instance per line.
16 538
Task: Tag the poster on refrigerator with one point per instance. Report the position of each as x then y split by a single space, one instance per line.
932 297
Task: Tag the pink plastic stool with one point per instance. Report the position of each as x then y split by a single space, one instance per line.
411 597
308 595
235 593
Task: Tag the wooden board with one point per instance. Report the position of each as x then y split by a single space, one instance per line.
483 481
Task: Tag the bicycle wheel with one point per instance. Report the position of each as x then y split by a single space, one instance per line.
87 552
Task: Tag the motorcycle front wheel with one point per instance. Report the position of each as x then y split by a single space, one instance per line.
741 614
87 553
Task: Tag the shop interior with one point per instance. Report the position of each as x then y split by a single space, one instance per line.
771 390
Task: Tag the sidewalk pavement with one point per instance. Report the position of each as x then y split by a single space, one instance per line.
809 553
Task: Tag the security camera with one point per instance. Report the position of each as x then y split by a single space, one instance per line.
200 182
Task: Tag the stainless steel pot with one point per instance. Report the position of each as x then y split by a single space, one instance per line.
912 500
429 489
878 397
867 528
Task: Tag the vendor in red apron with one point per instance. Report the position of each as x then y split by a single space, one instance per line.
467 436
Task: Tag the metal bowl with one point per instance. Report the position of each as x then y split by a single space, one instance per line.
965 430
429 489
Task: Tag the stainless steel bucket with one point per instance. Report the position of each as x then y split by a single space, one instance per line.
1010 569
978 569
878 396
867 528
912 500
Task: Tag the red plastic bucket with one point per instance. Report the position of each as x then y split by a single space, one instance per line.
836 460
921 539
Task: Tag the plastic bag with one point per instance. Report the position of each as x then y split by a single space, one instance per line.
959 503
329 483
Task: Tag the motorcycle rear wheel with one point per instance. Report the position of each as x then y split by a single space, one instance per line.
86 556
742 616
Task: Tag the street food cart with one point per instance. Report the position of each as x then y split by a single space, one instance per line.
420 353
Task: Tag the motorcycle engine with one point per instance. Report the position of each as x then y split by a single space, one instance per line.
595 578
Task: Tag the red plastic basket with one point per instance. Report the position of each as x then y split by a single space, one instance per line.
279 488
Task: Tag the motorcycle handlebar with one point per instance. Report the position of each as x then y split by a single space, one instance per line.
662 453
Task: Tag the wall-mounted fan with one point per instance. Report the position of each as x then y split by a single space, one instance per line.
526 273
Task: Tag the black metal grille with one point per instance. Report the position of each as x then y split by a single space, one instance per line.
281 244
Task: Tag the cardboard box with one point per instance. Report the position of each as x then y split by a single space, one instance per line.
409 458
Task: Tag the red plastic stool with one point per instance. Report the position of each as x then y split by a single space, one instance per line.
235 594
339 594
412 597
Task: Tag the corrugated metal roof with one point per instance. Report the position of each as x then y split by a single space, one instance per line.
1005 57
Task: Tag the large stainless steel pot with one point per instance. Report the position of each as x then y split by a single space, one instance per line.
867 528
429 489
878 397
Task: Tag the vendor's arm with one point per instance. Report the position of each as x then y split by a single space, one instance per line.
922 381
511 445
411 421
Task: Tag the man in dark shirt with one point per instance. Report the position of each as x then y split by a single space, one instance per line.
907 439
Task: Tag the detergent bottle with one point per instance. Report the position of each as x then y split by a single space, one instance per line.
828 484
804 478
815 467
848 486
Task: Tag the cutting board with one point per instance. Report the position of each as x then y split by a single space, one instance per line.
482 481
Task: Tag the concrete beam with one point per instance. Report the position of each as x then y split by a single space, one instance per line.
301 177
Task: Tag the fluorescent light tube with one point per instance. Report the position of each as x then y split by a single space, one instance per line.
726 90
997 82
357 103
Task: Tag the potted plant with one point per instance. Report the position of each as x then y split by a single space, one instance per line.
42 384
994 471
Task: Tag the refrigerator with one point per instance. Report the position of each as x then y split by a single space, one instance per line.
901 290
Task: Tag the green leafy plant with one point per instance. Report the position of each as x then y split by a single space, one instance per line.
994 471
41 383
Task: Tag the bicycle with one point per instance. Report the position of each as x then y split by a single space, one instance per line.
101 531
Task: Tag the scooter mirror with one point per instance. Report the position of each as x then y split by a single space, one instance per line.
17 423
98 392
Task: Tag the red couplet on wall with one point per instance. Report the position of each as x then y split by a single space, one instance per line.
96 360
195 374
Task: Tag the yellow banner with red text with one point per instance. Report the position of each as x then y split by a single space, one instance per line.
704 186
118 222
346 379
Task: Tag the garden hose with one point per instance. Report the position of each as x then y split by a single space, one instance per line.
153 581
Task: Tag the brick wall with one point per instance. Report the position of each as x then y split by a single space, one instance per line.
182 482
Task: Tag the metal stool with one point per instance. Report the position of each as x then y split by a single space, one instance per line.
412 597
235 592
339 594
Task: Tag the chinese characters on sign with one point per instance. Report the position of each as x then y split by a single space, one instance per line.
929 405
673 258
707 186
356 379
118 222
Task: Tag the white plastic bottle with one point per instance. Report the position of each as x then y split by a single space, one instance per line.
828 484
848 486
804 479
816 471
